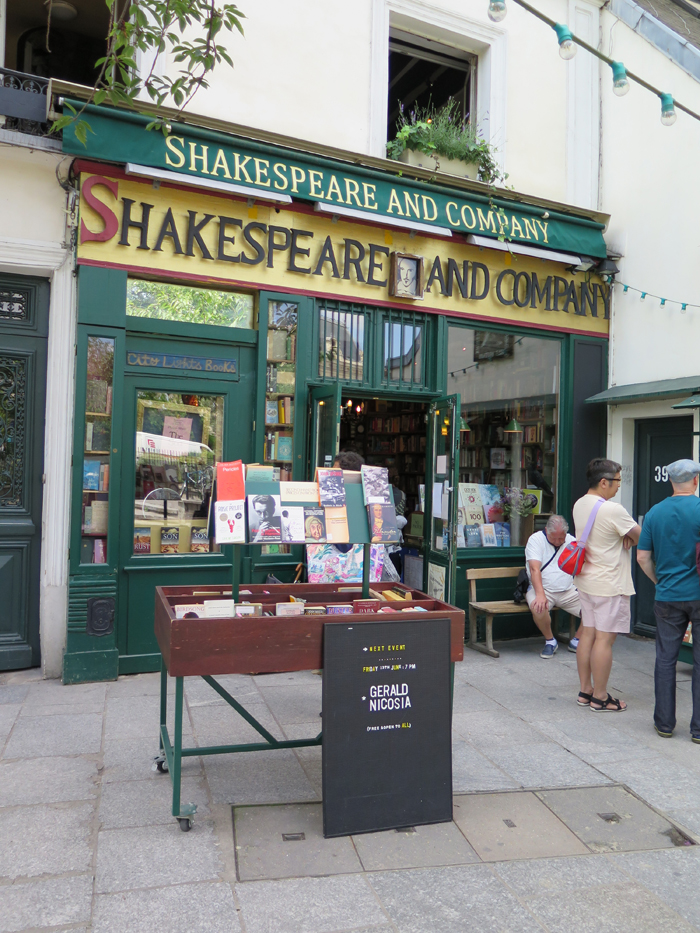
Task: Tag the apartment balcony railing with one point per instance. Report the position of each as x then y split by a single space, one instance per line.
23 102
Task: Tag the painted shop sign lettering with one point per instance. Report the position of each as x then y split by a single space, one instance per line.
199 364
127 223
306 177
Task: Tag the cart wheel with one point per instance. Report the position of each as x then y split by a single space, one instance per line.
185 823
162 766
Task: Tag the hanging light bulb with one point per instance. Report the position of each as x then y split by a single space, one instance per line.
497 10
358 409
668 110
567 46
620 83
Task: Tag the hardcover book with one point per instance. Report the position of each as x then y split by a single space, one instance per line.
289 609
502 533
339 609
487 533
189 611
375 485
293 524
264 520
331 488
284 447
218 608
382 523
366 605
314 525
271 412
91 474
258 472
472 537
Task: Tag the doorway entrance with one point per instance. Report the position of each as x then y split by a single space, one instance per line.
24 322
658 442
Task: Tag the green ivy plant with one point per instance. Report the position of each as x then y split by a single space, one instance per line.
189 32
444 132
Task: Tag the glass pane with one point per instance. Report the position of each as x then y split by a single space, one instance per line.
402 353
194 305
98 442
509 388
341 345
280 388
179 440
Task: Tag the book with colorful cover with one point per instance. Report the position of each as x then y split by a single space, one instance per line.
363 606
375 485
229 522
487 533
264 519
230 481
199 540
502 533
492 503
314 525
382 523
170 539
260 473
142 541
293 524
91 474
339 609
470 501
284 447
331 487
472 538
337 525
271 413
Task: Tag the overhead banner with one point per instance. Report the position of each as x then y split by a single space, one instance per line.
195 236
193 152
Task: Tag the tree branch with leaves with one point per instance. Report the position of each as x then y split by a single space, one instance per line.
190 32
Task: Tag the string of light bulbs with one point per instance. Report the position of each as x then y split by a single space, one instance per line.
497 10
663 302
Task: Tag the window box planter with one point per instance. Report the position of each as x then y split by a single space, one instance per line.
438 163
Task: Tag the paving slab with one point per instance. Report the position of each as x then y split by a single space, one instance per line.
287 842
51 697
51 902
288 678
258 777
199 693
609 819
300 703
45 840
662 783
513 826
224 722
136 685
467 699
471 771
54 736
311 905
614 909
147 803
46 780
13 693
544 765
132 760
8 716
155 856
451 900
185 908
423 847
673 876
558 875
139 717
484 729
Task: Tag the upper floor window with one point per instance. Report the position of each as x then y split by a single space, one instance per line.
423 71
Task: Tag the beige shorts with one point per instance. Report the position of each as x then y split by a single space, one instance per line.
605 613
566 599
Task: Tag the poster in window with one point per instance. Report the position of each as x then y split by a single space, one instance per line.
492 345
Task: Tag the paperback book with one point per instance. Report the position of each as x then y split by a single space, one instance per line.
230 481
382 523
293 524
170 540
337 525
264 519
375 485
229 523
331 488
314 525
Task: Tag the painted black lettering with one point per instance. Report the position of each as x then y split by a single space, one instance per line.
168 229
259 248
327 255
296 250
571 298
605 295
374 265
499 285
453 274
225 238
194 232
272 246
560 289
350 261
436 273
128 223
588 299
476 267
541 294
522 289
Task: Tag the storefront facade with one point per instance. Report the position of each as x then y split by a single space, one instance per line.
238 300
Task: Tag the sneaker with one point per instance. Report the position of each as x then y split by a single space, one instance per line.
667 735
696 739
548 651
573 645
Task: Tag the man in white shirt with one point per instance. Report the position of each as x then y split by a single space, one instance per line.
550 588
604 583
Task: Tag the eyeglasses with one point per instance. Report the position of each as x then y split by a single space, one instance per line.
613 479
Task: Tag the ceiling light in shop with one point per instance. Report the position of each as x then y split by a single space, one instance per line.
61 10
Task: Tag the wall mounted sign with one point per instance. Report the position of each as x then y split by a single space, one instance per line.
193 236
122 137
387 720
200 364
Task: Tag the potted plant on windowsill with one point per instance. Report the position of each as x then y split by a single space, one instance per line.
441 140
518 508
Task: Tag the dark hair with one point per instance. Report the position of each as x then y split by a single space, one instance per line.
349 460
599 469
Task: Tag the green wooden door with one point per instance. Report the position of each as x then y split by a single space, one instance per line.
175 429
441 495
324 402
24 312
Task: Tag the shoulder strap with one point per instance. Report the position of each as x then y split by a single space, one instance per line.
591 519
556 551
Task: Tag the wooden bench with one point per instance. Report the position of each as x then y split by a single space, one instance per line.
501 607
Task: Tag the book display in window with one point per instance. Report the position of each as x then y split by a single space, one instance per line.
97 441
280 386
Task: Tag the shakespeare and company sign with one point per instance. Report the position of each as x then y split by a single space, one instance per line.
186 234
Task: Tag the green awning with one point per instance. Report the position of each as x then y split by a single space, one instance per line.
692 402
647 391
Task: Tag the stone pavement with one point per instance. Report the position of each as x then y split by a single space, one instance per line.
87 841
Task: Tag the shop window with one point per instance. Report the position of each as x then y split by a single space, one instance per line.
97 445
343 333
179 440
423 72
167 302
403 351
509 394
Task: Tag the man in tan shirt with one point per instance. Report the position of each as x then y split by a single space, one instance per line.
604 583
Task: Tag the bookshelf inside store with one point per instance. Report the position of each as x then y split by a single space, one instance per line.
96 450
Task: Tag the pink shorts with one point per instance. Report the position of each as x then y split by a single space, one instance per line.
605 613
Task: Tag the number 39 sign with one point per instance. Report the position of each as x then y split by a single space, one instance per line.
660 474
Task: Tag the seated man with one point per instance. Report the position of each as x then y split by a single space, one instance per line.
550 588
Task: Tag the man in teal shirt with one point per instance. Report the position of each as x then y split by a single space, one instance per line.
666 554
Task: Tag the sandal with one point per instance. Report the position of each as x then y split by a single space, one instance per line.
604 706
584 699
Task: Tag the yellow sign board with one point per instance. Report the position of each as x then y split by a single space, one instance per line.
192 236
